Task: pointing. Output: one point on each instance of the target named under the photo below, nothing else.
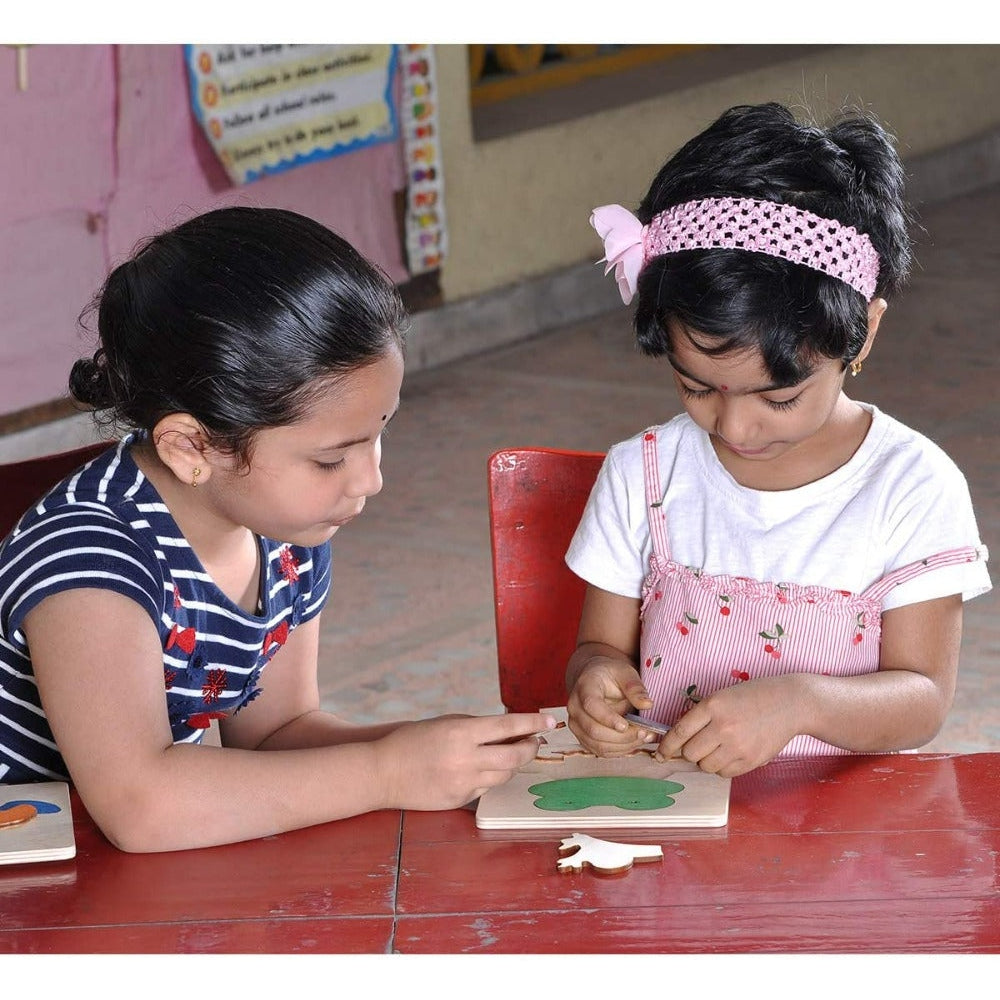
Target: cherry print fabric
(701, 633)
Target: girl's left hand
(736, 728)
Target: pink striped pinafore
(700, 633)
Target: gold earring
(195, 473)
(855, 368)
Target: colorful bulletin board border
(426, 232)
(268, 108)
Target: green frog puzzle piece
(572, 794)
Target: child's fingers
(676, 742)
(646, 729)
(516, 726)
(606, 741)
(637, 695)
(508, 755)
(526, 723)
(599, 713)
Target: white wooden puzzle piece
(606, 856)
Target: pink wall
(100, 151)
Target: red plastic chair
(24, 482)
(536, 497)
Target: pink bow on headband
(623, 236)
(749, 224)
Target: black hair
(848, 171)
(237, 316)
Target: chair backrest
(536, 497)
(24, 482)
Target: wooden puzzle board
(48, 835)
(578, 791)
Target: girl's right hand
(446, 762)
(605, 689)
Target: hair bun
(89, 383)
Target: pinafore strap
(950, 557)
(654, 496)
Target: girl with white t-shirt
(781, 569)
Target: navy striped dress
(105, 526)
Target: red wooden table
(328, 889)
(849, 854)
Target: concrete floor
(409, 629)
(409, 632)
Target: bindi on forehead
(724, 388)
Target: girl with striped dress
(174, 584)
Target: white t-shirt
(899, 499)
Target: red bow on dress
(183, 637)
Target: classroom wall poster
(268, 108)
(426, 232)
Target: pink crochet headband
(735, 224)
